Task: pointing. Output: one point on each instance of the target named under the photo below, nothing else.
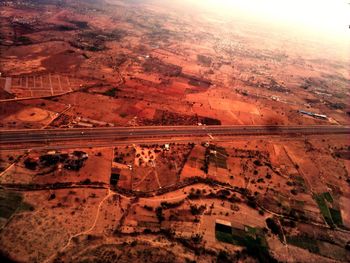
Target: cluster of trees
(167, 205)
(72, 161)
(197, 210)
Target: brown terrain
(76, 64)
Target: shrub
(149, 208)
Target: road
(13, 138)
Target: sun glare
(321, 16)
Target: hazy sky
(330, 17)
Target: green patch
(328, 197)
(336, 192)
(23, 40)
(300, 180)
(251, 230)
(256, 247)
(336, 216)
(111, 92)
(11, 202)
(331, 215)
(238, 236)
(322, 205)
(25, 207)
(219, 158)
(251, 238)
(221, 150)
(304, 242)
(224, 237)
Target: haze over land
(325, 22)
(174, 131)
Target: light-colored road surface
(30, 137)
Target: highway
(114, 134)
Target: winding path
(109, 194)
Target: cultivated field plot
(39, 85)
(120, 63)
(227, 195)
(147, 168)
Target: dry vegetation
(148, 199)
(114, 64)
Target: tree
(273, 226)
(52, 196)
(159, 214)
(30, 164)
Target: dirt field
(105, 63)
(142, 66)
(130, 197)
